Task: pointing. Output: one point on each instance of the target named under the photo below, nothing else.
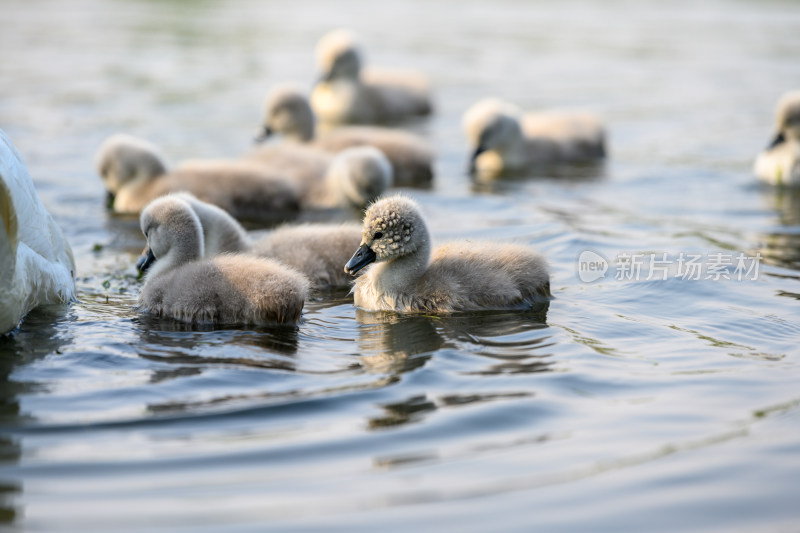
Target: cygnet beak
(779, 139)
(146, 260)
(363, 256)
(265, 134)
(109, 199)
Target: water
(625, 405)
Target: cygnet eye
(378, 235)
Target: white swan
(316, 250)
(779, 163)
(226, 289)
(36, 263)
(346, 94)
(288, 113)
(134, 173)
(462, 276)
(503, 138)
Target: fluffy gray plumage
(348, 93)
(351, 178)
(505, 139)
(461, 276)
(316, 250)
(135, 173)
(288, 113)
(226, 289)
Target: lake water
(632, 403)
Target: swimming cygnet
(227, 289)
(779, 164)
(134, 173)
(462, 276)
(352, 178)
(356, 177)
(346, 94)
(288, 113)
(221, 232)
(506, 139)
(316, 250)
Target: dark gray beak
(265, 134)
(478, 151)
(146, 260)
(363, 256)
(109, 199)
(779, 139)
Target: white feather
(36, 263)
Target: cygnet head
(787, 118)
(492, 124)
(338, 56)
(393, 228)
(287, 112)
(359, 175)
(124, 158)
(173, 232)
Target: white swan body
(36, 263)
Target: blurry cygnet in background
(779, 163)
(346, 93)
(504, 139)
(134, 173)
(288, 113)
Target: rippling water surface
(626, 404)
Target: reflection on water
(781, 246)
(159, 331)
(403, 412)
(393, 344)
(43, 335)
(634, 404)
(573, 175)
(415, 408)
(513, 343)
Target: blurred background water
(625, 405)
